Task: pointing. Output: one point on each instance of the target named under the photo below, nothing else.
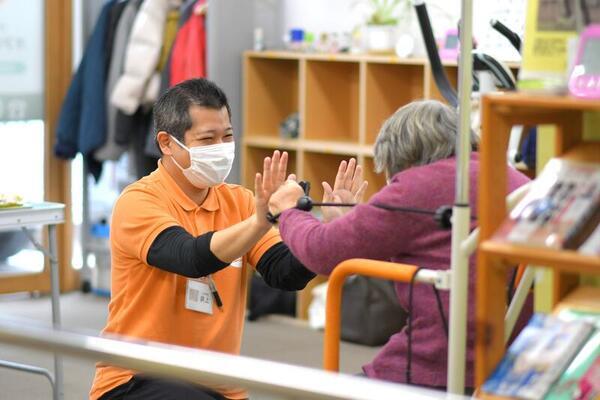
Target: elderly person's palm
(349, 187)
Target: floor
(274, 338)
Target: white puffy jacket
(140, 82)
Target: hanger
(201, 8)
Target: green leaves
(384, 12)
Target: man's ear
(164, 142)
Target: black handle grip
(305, 186)
(505, 31)
(439, 73)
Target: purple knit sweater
(374, 233)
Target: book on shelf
(538, 357)
(560, 211)
(581, 379)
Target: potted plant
(382, 21)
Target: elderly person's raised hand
(348, 187)
(267, 183)
(286, 197)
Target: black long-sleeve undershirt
(280, 269)
(177, 251)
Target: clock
(585, 78)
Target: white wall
(343, 15)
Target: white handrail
(209, 368)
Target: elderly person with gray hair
(415, 149)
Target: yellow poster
(549, 26)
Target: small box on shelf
(332, 101)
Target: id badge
(198, 297)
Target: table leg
(55, 286)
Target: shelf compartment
(583, 298)
(389, 87)
(332, 147)
(270, 142)
(376, 181)
(271, 94)
(561, 260)
(253, 159)
(584, 152)
(319, 167)
(434, 93)
(527, 102)
(331, 101)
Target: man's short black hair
(171, 112)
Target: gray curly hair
(419, 133)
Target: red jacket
(188, 59)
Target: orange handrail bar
(357, 266)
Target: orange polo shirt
(149, 303)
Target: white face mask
(209, 165)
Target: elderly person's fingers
(357, 179)
(327, 193)
(339, 178)
(360, 193)
(349, 174)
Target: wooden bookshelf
(499, 113)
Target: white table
(50, 215)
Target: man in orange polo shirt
(182, 240)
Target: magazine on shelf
(538, 357)
(560, 211)
(581, 379)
